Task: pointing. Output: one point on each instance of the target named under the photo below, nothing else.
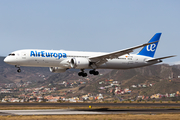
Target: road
(104, 110)
(86, 111)
(94, 104)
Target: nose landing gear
(18, 70)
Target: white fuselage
(61, 58)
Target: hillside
(8, 73)
(163, 77)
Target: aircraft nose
(8, 60)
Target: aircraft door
(23, 54)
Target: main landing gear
(18, 70)
(83, 74)
(94, 72)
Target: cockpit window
(12, 54)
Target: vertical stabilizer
(150, 50)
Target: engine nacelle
(79, 63)
(57, 69)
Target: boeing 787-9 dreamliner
(60, 60)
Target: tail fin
(150, 50)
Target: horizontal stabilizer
(156, 59)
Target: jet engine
(79, 63)
(57, 69)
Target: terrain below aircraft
(61, 60)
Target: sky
(94, 25)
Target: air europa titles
(47, 54)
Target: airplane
(60, 60)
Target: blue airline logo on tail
(150, 50)
(151, 47)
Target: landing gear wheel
(84, 75)
(96, 73)
(19, 70)
(93, 72)
(80, 73)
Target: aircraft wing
(103, 58)
(156, 59)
